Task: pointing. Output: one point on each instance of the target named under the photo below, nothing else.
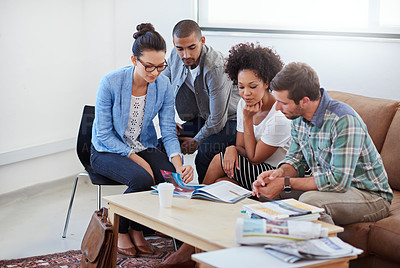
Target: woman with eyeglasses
(124, 137)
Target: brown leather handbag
(98, 241)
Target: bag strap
(103, 215)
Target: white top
(274, 130)
(192, 74)
(135, 124)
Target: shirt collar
(318, 117)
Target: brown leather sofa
(380, 240)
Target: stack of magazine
(286, 209)
(322, 248)
(286, 227)
(261, 231)
(222, 191)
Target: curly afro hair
(248, 56)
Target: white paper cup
(165, 193)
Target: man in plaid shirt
(348, 177)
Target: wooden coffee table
(203, 224)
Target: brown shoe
(145, 249)
(129, 252)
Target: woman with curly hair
(263, 134)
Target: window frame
(374, 30)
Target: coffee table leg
(114, 218)
(197, 250)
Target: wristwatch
(287, 188)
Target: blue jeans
(123, 170)
(213, 145)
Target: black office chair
(83, 151)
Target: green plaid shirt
(338, 149)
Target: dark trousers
(123, 170)
(211, 146)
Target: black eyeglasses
(151, 68)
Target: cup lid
(165, 186)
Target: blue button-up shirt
(113, 104)
(338, 149)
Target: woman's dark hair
(146, 37)
(248, 56)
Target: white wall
(53, 54)
(52, 57)
(364, 66)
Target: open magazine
(322, 248)
(260, 231)
(222, 191)
(286, 209)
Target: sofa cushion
(372, 261)
(376, 113)
(356, 234)
(391, 152)
(395, 206)
(384, 236)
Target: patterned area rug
(71, 259)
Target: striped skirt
(248, 172)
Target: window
(365, 17)
(389, 15)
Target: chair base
(71, 201)
(64, 235)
